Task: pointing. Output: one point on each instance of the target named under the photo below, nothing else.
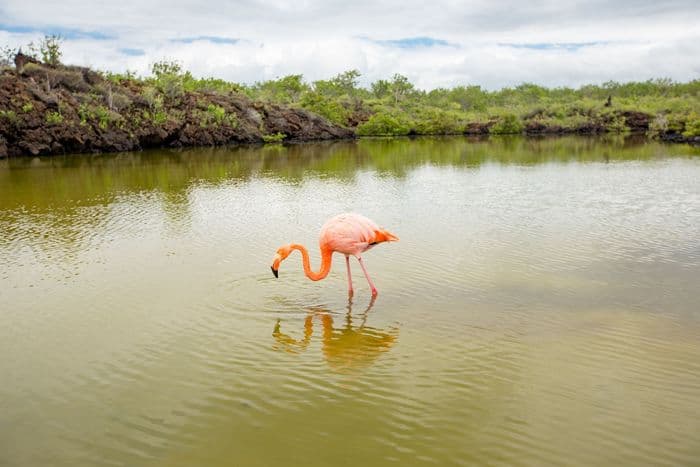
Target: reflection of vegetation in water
(47, 183)
(346, 346)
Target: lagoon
(541, 308)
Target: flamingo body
(350, 234)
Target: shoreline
(47, 110)
(633, 138)
(58, 109)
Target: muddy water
(541, 308)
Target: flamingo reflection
(347, 346)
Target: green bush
(617, 124)
(50, 49)
(152, 97)
(119, 78)
(333, 110)
(692, 126)
(191, 84)
(385, 124)
(169, 79)
(285, 90)
(84, 113)
(274, 138)
(54, 118)
(9, 115)
(218, 114)
(157, 117)
(507, 124)
(215, 115)
(438, 122)
(104, 116)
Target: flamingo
(349, 234)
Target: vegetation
(48, 50)
(395, 107)
(171, 97)
(54, 118)
(274, 138)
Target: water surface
(541, 308)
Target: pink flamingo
(349, 234)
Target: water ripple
(532, 314)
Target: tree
(342, 84)
(401, 87)
(50, 49)
(287, 89)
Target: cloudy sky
(438, 43)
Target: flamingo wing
(350, 234)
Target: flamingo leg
(347, 262)
(371, 285)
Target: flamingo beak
(276, 265)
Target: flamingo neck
(325, 262)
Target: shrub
(27, 107)
(274, 138)
(120, 101)
(658, 126)
(104, 116)
(328, 108)
(70, 79)
(7, 55)
(152, 97)
(169, 78)
(9, 115)
(157, 116)
(385, 123)
(119, 78)
(438, 122)
(54, 118)
(285, 90)
(210, 85)
(507, 124)
(692, 126)
(216, 115)
(50, 49)
(84, 113)
(617, 124)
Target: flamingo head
(281, 255)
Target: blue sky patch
(413, 42)
(65, 33)
(568, 46)
(133, 52)
(213, 39)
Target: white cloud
(628, 40)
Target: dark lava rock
(638, 122)
(478, 128)
(54, 110)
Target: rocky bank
(67, 109)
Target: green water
(541, 308)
